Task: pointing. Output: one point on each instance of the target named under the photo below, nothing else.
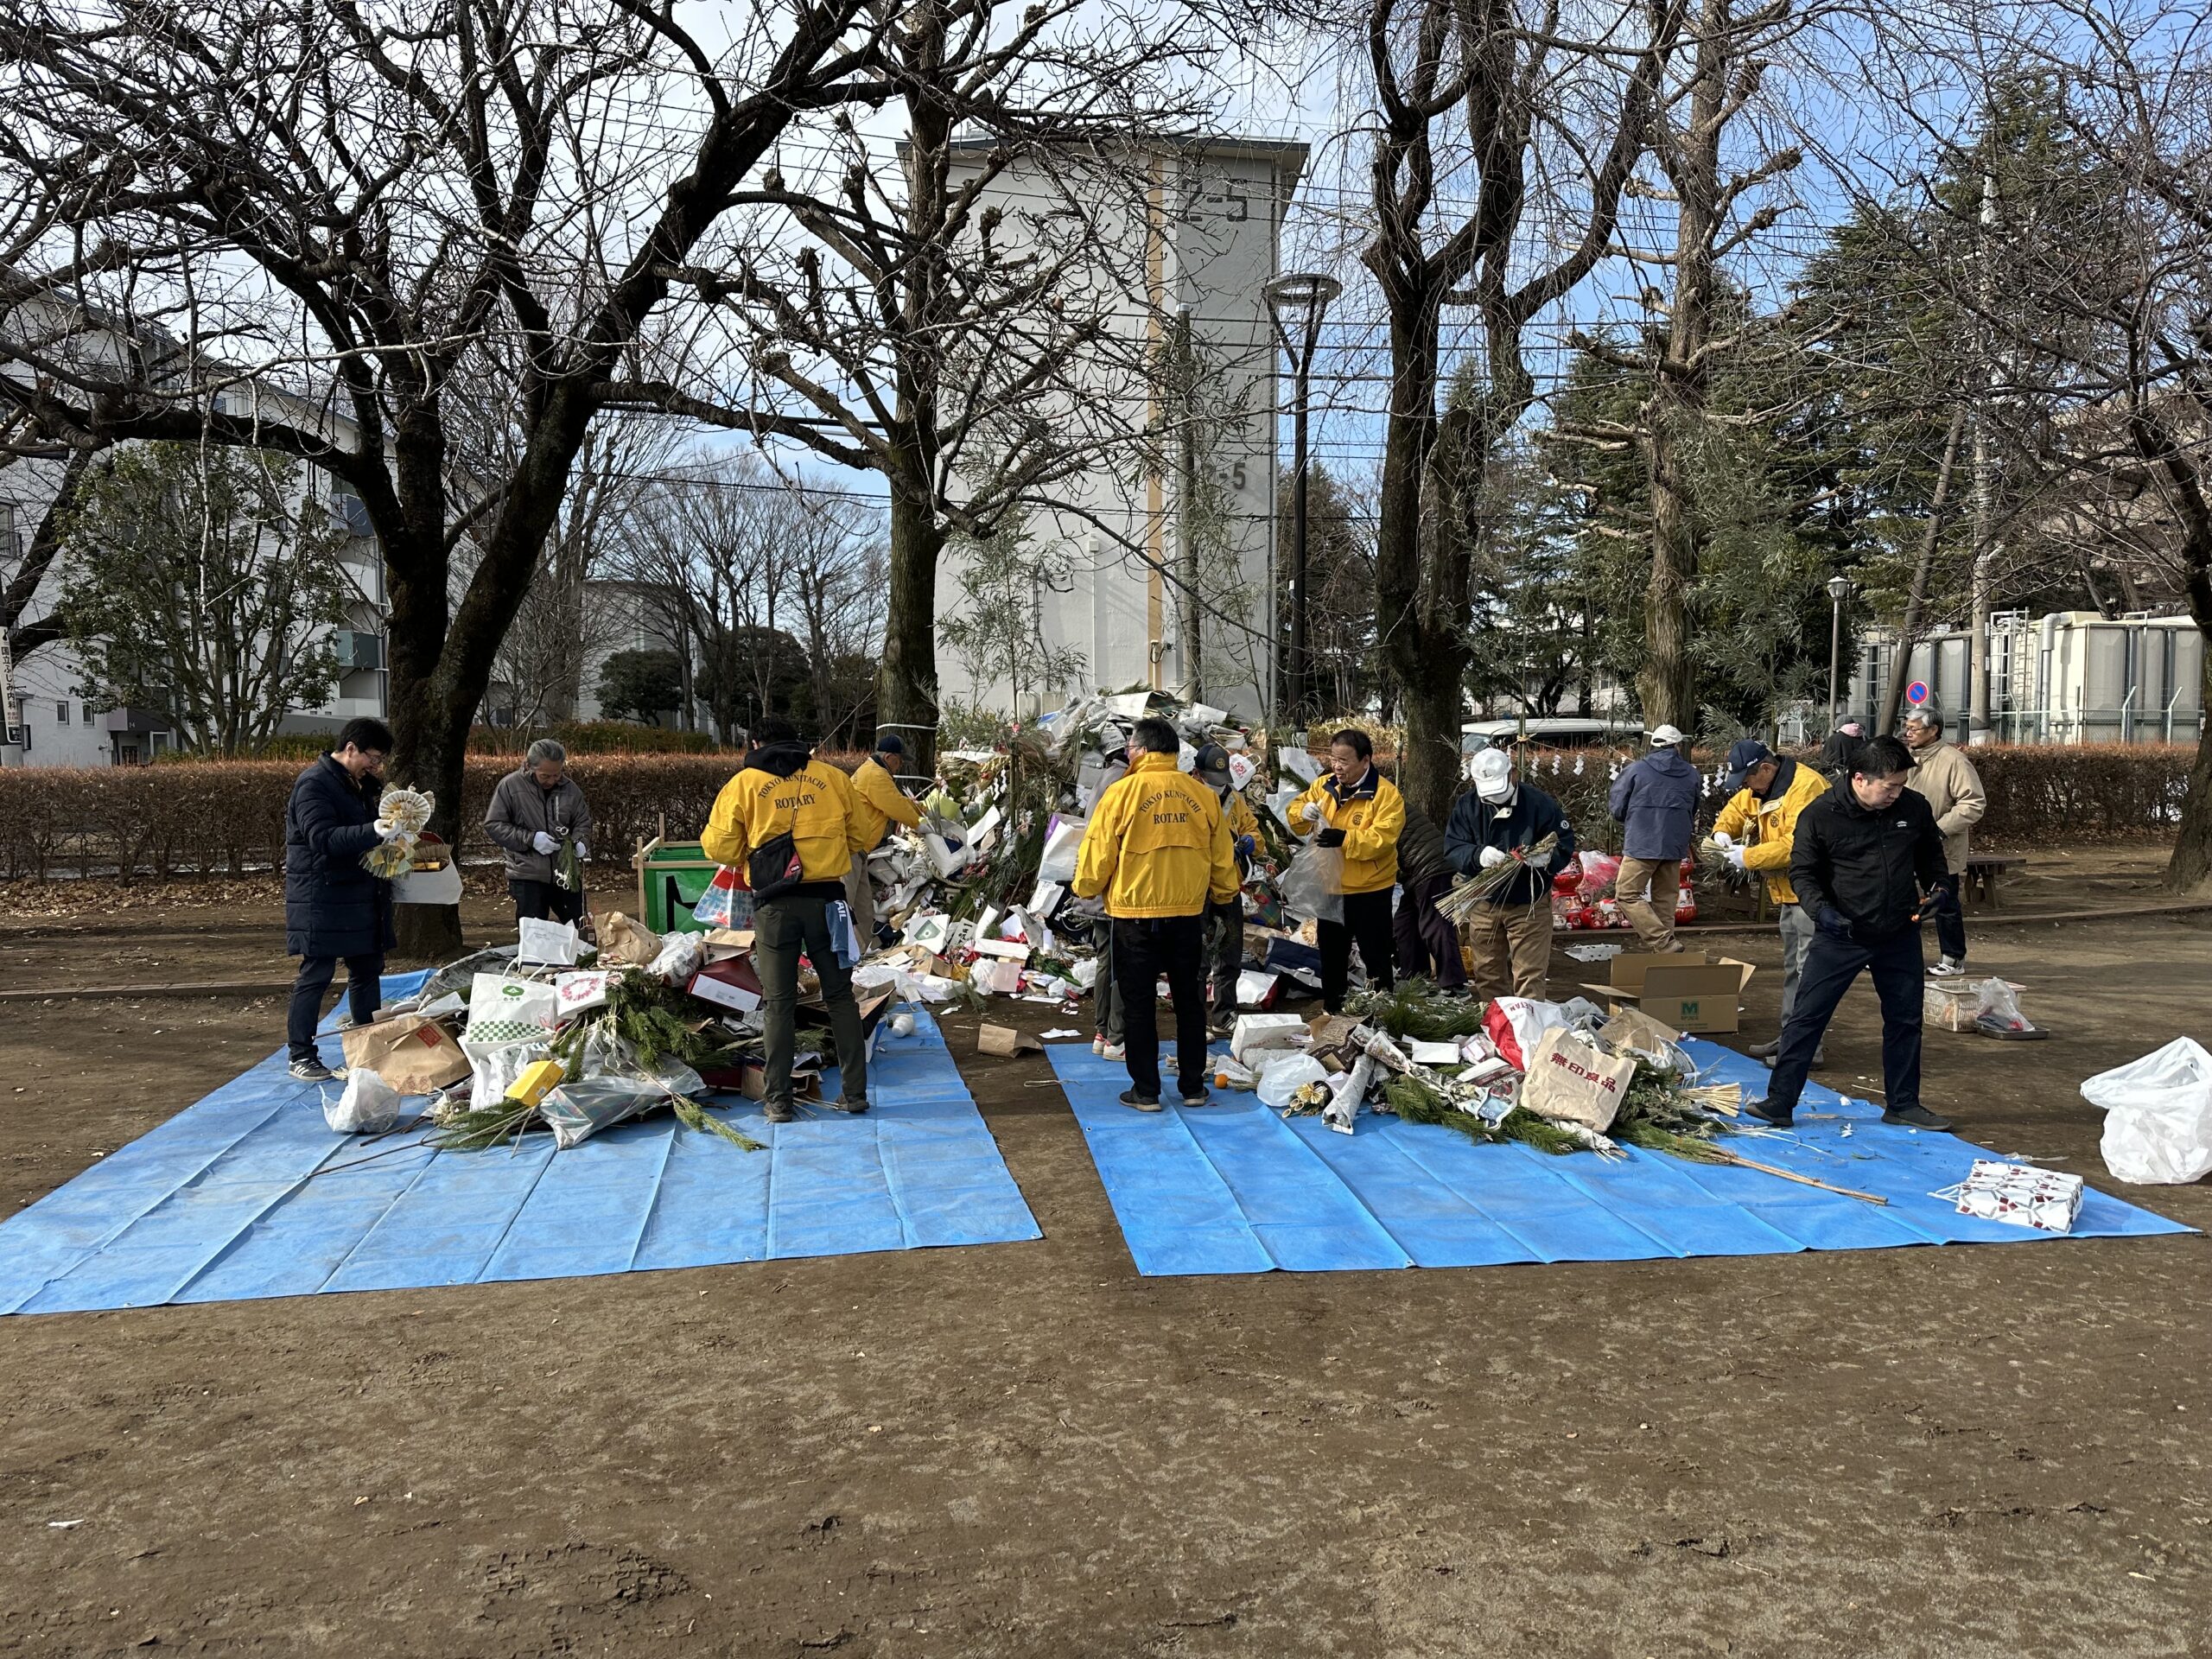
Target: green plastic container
(672, 877)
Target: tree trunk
(905, 685)
(1429, 689)
(2189, 867)
(1667, 683)
(1916, 607)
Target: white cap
(1666, 735)
(1492, 771)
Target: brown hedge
(229, 816)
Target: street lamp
(1296, 303)
(1841, 589)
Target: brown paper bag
(1006, 1041)
(414, 1055)
(1572, 1080)
(624, 942)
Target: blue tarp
(248, 1194)
(1232, 1187)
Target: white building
(1208, 234)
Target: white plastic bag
(1281, 1078)
(368, 1104)
(1314, 884)
(1062, 842)
(2158, 1114)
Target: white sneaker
(1114, 1052)
(1946, 967)
(1098, 1046)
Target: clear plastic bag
(1281, 1077)
(1313, 885)
(367, 1105)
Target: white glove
(583, 854)
(1735, 858)
(1492, 857)
(387, 831)
(1313, 811)
(545, 843)
(1723, 840)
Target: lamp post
(1841, 588)
(1296, 303)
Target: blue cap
(1743, 755)
(888, 743)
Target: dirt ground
(1026, 1449)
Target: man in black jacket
(334, 910)
(1499, 818)
(1865, 855)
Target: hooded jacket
(333, 907)
(1157, 845)
(1371, 813)
(782, 788)
(1423, 851)
(1523, 820)
(879, 802)
(1654, 801)
(1952, 788)
(1867, 865)
(1767, 824)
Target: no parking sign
(1916, 693)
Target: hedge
(579, 738)
(229, 816)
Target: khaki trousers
(1513, 949)
(1653, 918)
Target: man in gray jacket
(1946, 779)
(536, 814)
(1654, 801)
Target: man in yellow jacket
(878, 802)
(1756, 829)
(1159, 849)
(1354, 807)
(783, 789)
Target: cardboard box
(750, 1078)
(1690, 993)
(730, 984)
(1005, 1041)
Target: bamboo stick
(1792, 1175)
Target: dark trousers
(545, 901)
(781, 928)
(1951, 924)
(1144, 948)
(364, 990)
(1366, 923)
(1899, 972)
(1428, 946)
(1225, 953)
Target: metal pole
(1835, 656)
(1186, 488)
(1985, 560)
(1298, 619)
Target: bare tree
(343, 204)
(1538, 121)
(948, 304)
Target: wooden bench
(1983, 875)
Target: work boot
(853, 1104)
(1776, 1117)
(1140, 1102)
(777, 1111)
(1916, 1117)
(312, 1070)
(1765, 1050)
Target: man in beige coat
(1946, 781)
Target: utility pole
(1186, 375)
(1300, 299)
(1985, 553)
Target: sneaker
(1948, 968)
(1765, 1051)
(1203, 1097)
(777, 1111)
(1114, 1052)
(1916, 1117)
(1141, 1102)
(1098, 1046)
(854, 1107)
(1773, 1117)
(311, 1071)
(1767, 1060)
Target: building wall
(1210, 246)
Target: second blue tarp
(1232, 1187)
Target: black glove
(1940, 901)
(1329, 838)
(1832, 921)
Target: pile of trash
(559, 1035)
(977, 902)
(1560, 1077)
